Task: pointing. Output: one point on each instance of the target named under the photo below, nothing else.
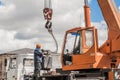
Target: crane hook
(47, 11)
(48, 26)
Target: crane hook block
(48, 25)
(47, 13)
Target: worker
(38, 60)
(67, 58)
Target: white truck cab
(14, 65)
(20, 65)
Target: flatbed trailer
(86, 74)
(69, 77)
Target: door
(12, 74)
(80, 46)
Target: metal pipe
(47, 4)
(86, 2)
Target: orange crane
(81, 57)
(85, 51)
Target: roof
(25, 51)
(21, 51)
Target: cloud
(119, 8)
(6, 11)
(8, 42)
(102, 31)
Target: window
(28, 62)
(89, 38)
(83, 41)
(70, 42)
(78, 43)
(13, 63)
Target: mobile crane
(81, 57)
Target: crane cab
(80, 46)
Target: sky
(95, 10)
(22, 22)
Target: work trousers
(38, 67)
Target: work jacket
(38, 55)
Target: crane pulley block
(47, 13)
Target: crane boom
(112, 18)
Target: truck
(15, 65)
(81, 58)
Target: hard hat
(38, 45)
